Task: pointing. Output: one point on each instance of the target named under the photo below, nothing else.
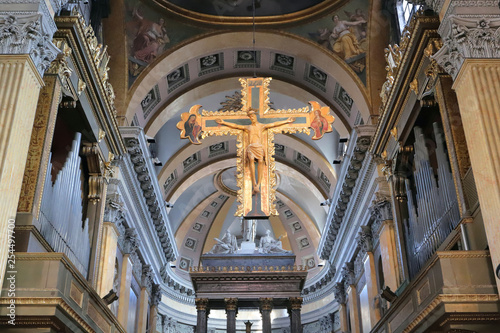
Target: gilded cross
(255, 126)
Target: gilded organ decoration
(255, 126)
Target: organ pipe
(434, 213)
(62, 211)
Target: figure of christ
(254, 151)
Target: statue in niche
(226, 245)
(270, 245)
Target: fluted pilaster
(20, 84)
(478, 93)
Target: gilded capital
(266, 304)
(201, 304)
(231, 304)
(295, 303)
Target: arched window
(405, 11)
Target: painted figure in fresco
(342, 40)
(228, 244)
(149, 38)
(255, 148)
(319, 125)
(270, 245)
(192, 129)
(360, 29)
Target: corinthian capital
(467, 36)
(339, 293)
(25, 34)
(130, 241)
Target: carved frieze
(355, 163)
(137, 158)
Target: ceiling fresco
(151, 33)
(245, 7)
(343, 32)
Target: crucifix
(255, 126)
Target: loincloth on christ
(255, 151)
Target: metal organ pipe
(435, 213)
(62, 211)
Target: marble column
(231, 311)
(470, 54)
(129, 245)
(106, 272)
(340, 297)
(143, 310)
(349, 279)
(365, 243)
(155, 301)
(125, 283)
(295, 304)
(146, 290)
(387, 243)
(202, 310)
(383, 226)
(353, 309)
(266, 306)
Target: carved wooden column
(399, 207)
(202, 315)
(129, 245)
(471, 55)
(42, 133)
(350, 287)
(266, 306)
(340, 297)
(231, 311)
(295, 304)
(98, 185)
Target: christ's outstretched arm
(231, 125)
(279, 123)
